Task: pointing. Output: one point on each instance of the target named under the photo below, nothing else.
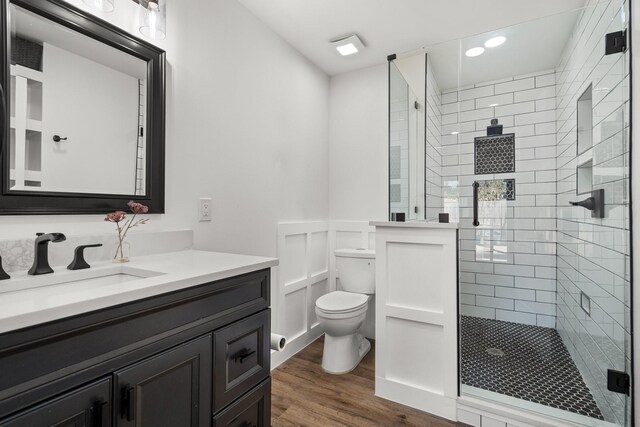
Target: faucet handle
(79, 262)
(3, 274)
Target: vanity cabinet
(194, 357)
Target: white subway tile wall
(434, 159)
(593, 254)
(398, 142)
(499, 259)
(142, 137)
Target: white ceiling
(390, 26)
(531, 46)
(33, 27)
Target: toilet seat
(340, 302)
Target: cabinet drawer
(88, 406)
(241, 357)
(253, 410)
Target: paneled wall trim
(307, 271)
(301, 278)
(416, 317)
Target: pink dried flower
(138, 208)
(116, 216)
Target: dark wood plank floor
(304, 395)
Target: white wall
(358, 145)
(247, 124)
(96, 108)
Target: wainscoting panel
(300, 279)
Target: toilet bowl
(342, 313)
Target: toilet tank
(357, 270)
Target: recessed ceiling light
(347, 49)
(474, 51)
(348, 45)
(495, 41)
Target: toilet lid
(341, 301)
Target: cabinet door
(171, 389)
(89, 406)
(252, 410)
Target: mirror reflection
(77, 110)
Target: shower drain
(495, 352)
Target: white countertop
(31, 300)
(414, 224)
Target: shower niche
(584, 113)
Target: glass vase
(121, 254)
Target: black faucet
(41, 253)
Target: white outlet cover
(205, 209)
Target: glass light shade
(153, 20)
(101, 5)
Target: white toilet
(342, 313)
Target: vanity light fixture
(348, 45)
(474, 51)
(101, 5)
(495, 41)
(153, 18)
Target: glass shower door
(544, 284)
(406, 148)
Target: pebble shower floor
(525, 362)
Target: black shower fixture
(494, 128)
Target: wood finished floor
(304, 395)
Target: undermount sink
(93, 277)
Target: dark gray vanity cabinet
(194, 357)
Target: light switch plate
(205, 209)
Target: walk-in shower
(511, 138)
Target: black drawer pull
(242, 355)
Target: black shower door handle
(475, 204)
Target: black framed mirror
(83, 113)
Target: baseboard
(295, 346)
(424, 400)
